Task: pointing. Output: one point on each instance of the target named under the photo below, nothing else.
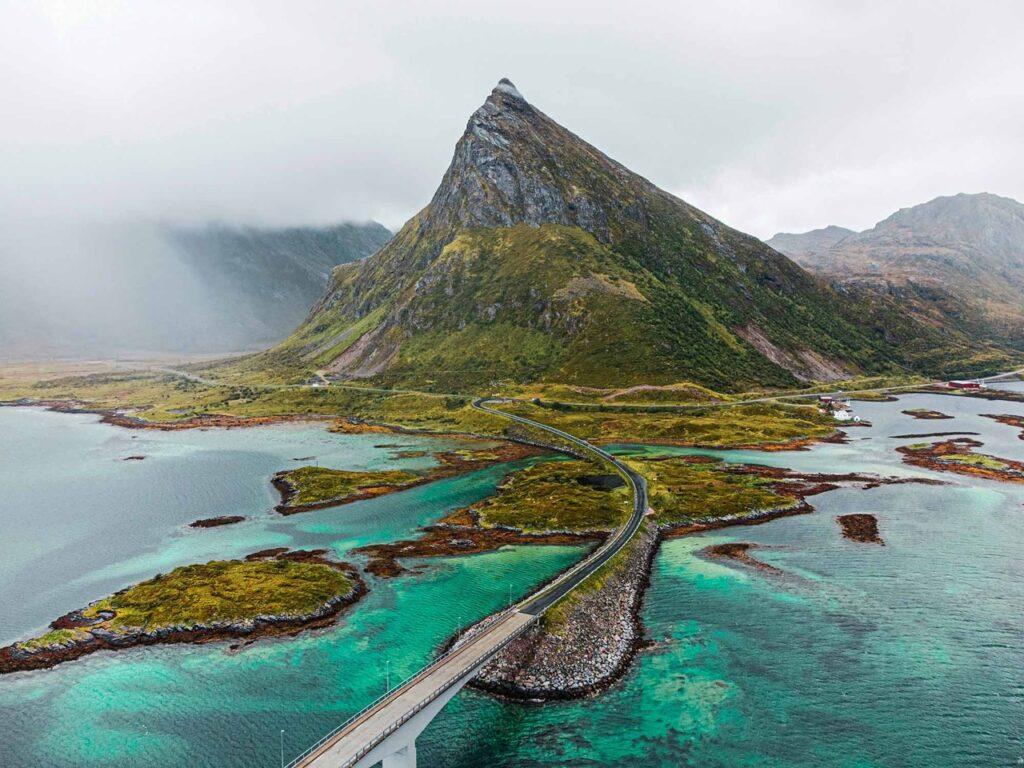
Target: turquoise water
(905, 655)
(911, 654)
(79, 521)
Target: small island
(739, 551)
(860, 527)
(308, 488)
(926, 414)
(195, 604)
(1009, 419)
(214, 522)
(958, 455)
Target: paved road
(541, 601)
(323, 381)
(371, 726)
(354, 739)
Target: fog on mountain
(131, 289)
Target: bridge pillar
(401, 758)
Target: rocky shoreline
(87, 636)
(446, 540)
(981, 394)
(738, 551)
(603, 631)
(926, 414)
(1009, 419)
(450, 463)
(958, 456)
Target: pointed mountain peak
(508, 88)
(504, 98)
(515, 165)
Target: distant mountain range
(143, 289)
(808, 244)
(954, 262)
(540, 258)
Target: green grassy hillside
(540, 259)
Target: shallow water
(910, 654)
(860, 655)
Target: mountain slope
(956, 260)
(267, 279)
(808, 244)
(539, 258)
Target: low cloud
(771, 116)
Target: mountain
(540, 258)
(267, 279)
(956, 261)
(807, 244)
(128, 289)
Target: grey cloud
(771, 116)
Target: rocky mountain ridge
(540, 258)
(954, 261)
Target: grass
(223, 591)
(681, 393)
(319, 484)
(52, 638)
(162, 398)
(681, 491)
(975, 460)
(753, 424)
(549, 497)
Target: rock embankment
(592, 645)
(587, 651)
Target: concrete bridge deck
(386, 730)
(348, 746)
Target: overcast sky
(770, 116)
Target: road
(323, 382)
(544, 599)
(354, 739)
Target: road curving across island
(539, 602)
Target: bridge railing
(476, 630)
(405, 684)
(610, 541)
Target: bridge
(386, 730)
